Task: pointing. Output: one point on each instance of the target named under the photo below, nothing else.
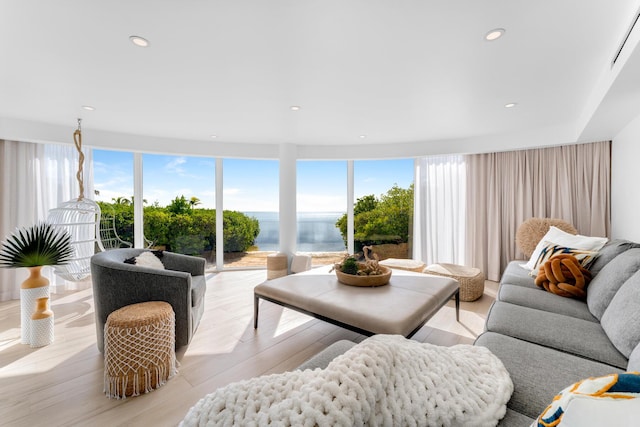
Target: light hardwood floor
(61, 384)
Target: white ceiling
(405, 73)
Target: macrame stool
(139, 349)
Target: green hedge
(380, 220)
(185, 230)
(182, 228)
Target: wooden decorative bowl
(353, 280)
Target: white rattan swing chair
(81, 219)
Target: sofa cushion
(634, 360)
(322, 359)
(604, 286)
(198, 288)
(576, 336)
(538, 373)
(621, 320)
(609, 251)
(515, 419)
(516, 274)
(545, 301)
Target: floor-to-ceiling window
(113, 187)
(179, 204)
(383, 209)
(251, 223)
(321, 201)
(179, 197)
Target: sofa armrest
(189, 264)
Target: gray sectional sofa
(548, 342)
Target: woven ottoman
(139, 349)
(471, 279)
(403, 264)
(277, 265)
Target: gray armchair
(116, 284)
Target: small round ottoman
(139, 349)
(277, 265)
(403, 264)
(471, 279)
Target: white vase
(34, 287)
(41, 324)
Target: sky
(249, 185)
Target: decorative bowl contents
(369, 273)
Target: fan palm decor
(34, 247)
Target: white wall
(625, 176)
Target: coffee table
(401, 307)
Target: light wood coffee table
(402, 307)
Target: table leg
(255, 311)
(458, 306)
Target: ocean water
(317, 231)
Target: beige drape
(504, 189)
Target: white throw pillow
(585, 412)
(147, 259)
(559, 237)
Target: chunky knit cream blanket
(386, 380)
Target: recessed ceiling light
(510, 105)
(214, 136)
(88, 108)
(363, 136)
(295, 107)
(139, 41)
(494, 34)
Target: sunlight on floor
(289, 322)
(9, 337)
(62, 383)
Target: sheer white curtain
(571, 182)
(439, 209)
(35, 178)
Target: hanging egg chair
(78, 217)
(81, 219)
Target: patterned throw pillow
(558, 237)
(584, 257)
(597, 391)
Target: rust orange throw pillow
(563, 275)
